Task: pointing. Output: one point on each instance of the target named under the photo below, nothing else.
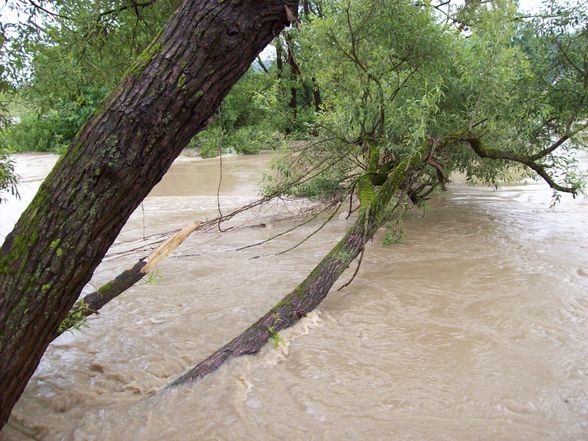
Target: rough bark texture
(294, 74)
(97, 299)
(311, 292)
(121, 153)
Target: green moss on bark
(105, 288)
(140, 63)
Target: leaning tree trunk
(311, 292)
(122, 152)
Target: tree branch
(48, 12)
(265, 69)
(558, 143)
(132, 5)
(529, 161)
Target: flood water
(475, 327)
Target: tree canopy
(399, 72)
(395, 75)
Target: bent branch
(530, 161)
(94, 301)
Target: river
(474, 327)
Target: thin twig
(283, 233)
(314, 232)
(220, 181)
(346, 284)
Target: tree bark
(311, 292)
(316, 93)
(294, 75)
(121, 153)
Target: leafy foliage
(65, 57)
(8, 179)
(76, 319)
(368, 82)
(53, 129)
(499, 94)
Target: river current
(473, 327)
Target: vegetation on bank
(8, 179)
(59, 67)
(246, 123)
(336, 81)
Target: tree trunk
(311, 292)
(121, 153)
(279, 59)
(294, 75)
(316, 93)
(306, 9)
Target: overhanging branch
(530, 161)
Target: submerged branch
(92, 302)
(310, 293)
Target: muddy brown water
(475, 327)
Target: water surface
(473, 328)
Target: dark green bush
(52, 130)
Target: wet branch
(92, 302)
